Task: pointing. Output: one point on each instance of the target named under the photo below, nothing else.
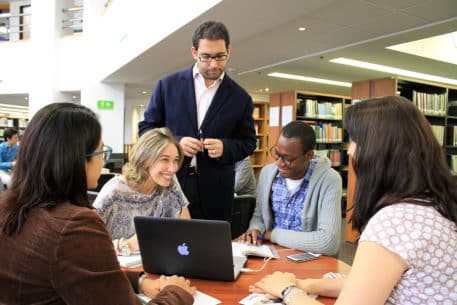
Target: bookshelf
(324, 113)
(259, 156)
(436, 101)
(19, 123)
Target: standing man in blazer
(211, 116)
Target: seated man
(8, 151)
(245, 183)
(298, 197)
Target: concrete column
(93, 88)
(45, 34)
(112, 120)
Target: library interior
(298, 60)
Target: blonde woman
(147, 186)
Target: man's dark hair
(301, 131)
(9, 133)
(211, 30)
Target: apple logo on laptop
(183, 249)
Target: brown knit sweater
(64, 255)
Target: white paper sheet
(274, 117)
(130, 261)
(286, 115)
(260, 299)
(200, 298)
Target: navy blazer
(229, 118)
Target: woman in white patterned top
(147, 187)
(405, 206)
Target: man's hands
(254, 237)
(191, 146)
(215, 147)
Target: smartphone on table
(303, 257)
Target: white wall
(16, 67)
(72, 63)
(112, 120)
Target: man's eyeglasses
(287, 161)
(208, 58)
(107, 153)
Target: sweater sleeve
(172, 295)
(325, 238)
(262, 201)
(85, 269)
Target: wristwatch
(124, 247)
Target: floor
(347, 250)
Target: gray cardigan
(321, 218)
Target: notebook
(188, 247)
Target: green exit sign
(104, 104)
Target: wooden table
(232, 292)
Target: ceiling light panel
(393, 70)
(310, 79)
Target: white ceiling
(265, 39)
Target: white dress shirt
(203, 96)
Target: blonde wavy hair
(146, 152)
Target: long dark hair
(50, 167)
(397, 159)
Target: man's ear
(229, 51)
(310, 154)
(194, 53)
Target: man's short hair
(211, 30)
(301, 131)
(9, 133)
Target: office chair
(243, 208)
(92, 195)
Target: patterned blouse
(118, 203)
(427, 242)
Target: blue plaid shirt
(287, 207)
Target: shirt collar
(308, 173)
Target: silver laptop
(188, 247)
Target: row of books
(22, 123)
(430, 103)
(256, 112)
(438, 131)
(452, 108)
(319, 109)
(451, 135)
(327, 133)
(453, 163)
(333, 154)
(5, 122)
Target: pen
(200, 135)
(260, 237)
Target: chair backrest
(243, 208)
(92, 195)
